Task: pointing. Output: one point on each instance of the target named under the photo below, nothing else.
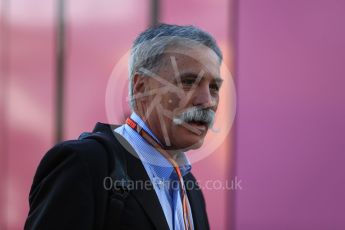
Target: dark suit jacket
(68, 191)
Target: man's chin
(193, 145)
(187, 139)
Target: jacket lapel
(142, 188)
(145, 193)
(196, 202)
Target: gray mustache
(196, 114)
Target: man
(100, 180)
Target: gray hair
(149, 47)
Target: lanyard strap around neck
(137, 128)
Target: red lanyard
(136, 127)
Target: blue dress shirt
(160, 172)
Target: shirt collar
(158, 162)
(135, 117)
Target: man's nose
(203, 97)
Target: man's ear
(139, 88)
(138, 84)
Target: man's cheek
(173, 102)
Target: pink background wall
(290, 137)
(27, 49)
(98, 34)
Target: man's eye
(214, 87)
(188, 82)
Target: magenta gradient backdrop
(290, 137)
(288, 61)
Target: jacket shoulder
(69, 176)
(89, 152)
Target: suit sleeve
(61, 196)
